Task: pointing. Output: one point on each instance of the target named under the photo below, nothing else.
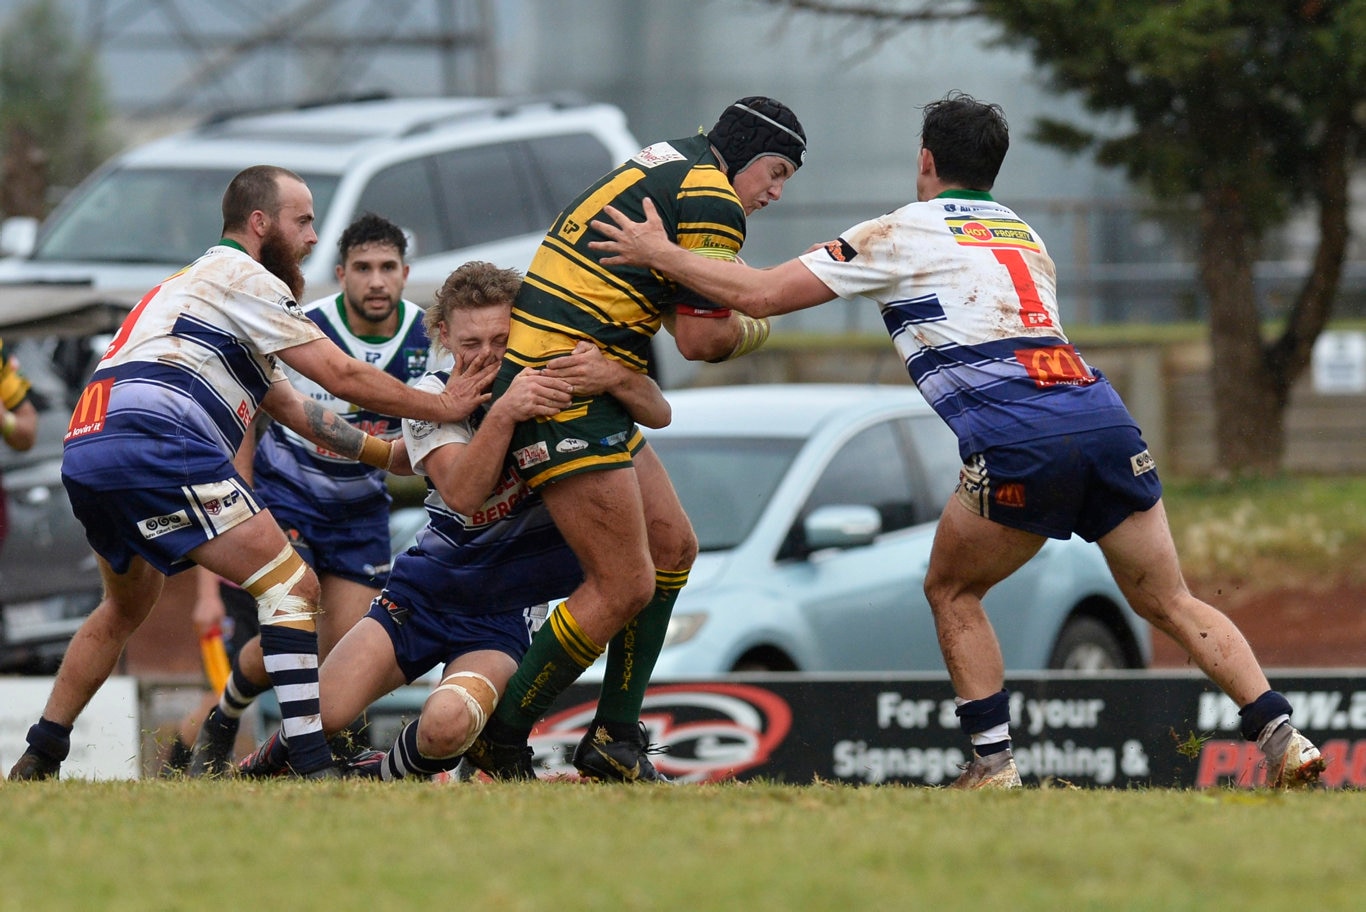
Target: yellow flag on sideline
(216, 666)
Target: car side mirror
(841, 526)
(18, 235)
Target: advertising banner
(106, 742)
(1145, 729)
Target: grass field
(157, 845)
(1283, 529)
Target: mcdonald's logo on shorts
(88, 417)
(1055, 365)
(1010, 494)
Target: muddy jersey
(968, 293)
(290, 471)
(568, 296)
(506, 555)
(170, 400)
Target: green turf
(156, 845)
(1283, 528)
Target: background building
(672, 66)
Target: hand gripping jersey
(968, 293)
(505, 556)
(568, 297)
(171, 399)
(294, 473)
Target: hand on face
(468, 386)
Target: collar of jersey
(958, 193)
(224, 242)
(373, 340)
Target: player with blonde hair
(462, 597)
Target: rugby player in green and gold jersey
(605, 487)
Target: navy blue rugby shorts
(357, 550)
(425, 638)
(1086, 483)
(160, 524)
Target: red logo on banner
(1240, 763)
(713, 731)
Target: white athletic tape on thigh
(479, 713)
(276, 605)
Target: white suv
(467, 178)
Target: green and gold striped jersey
(14, 386)
(568, 296)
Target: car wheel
(1087, 644)
(764, 658)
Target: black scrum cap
(756, 126)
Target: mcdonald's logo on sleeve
(88, 417)
(1055, 365)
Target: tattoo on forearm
(332, 431)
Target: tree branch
(885, 13)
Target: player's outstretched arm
(590, 373)
(768, 292)
(324, 427)
(369, 387)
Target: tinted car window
(568, 164)
(150, 215)
(724, 482)
(936, 448)
(870, 470)
(405, 193)
(487, 193)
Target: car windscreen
(725, 482)
(149, 215)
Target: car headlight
(683, 627)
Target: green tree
(52, 110)
(1250, 109)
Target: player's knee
(286, 591)
(1164, 614)
(455, 714)
(619, 596)
(934, 588)
(444, 731)
(678, 552)
(636, 591)
(119, 618)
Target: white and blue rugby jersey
(506, 555)
(292, 473)
(170, 400)
(969, 295)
